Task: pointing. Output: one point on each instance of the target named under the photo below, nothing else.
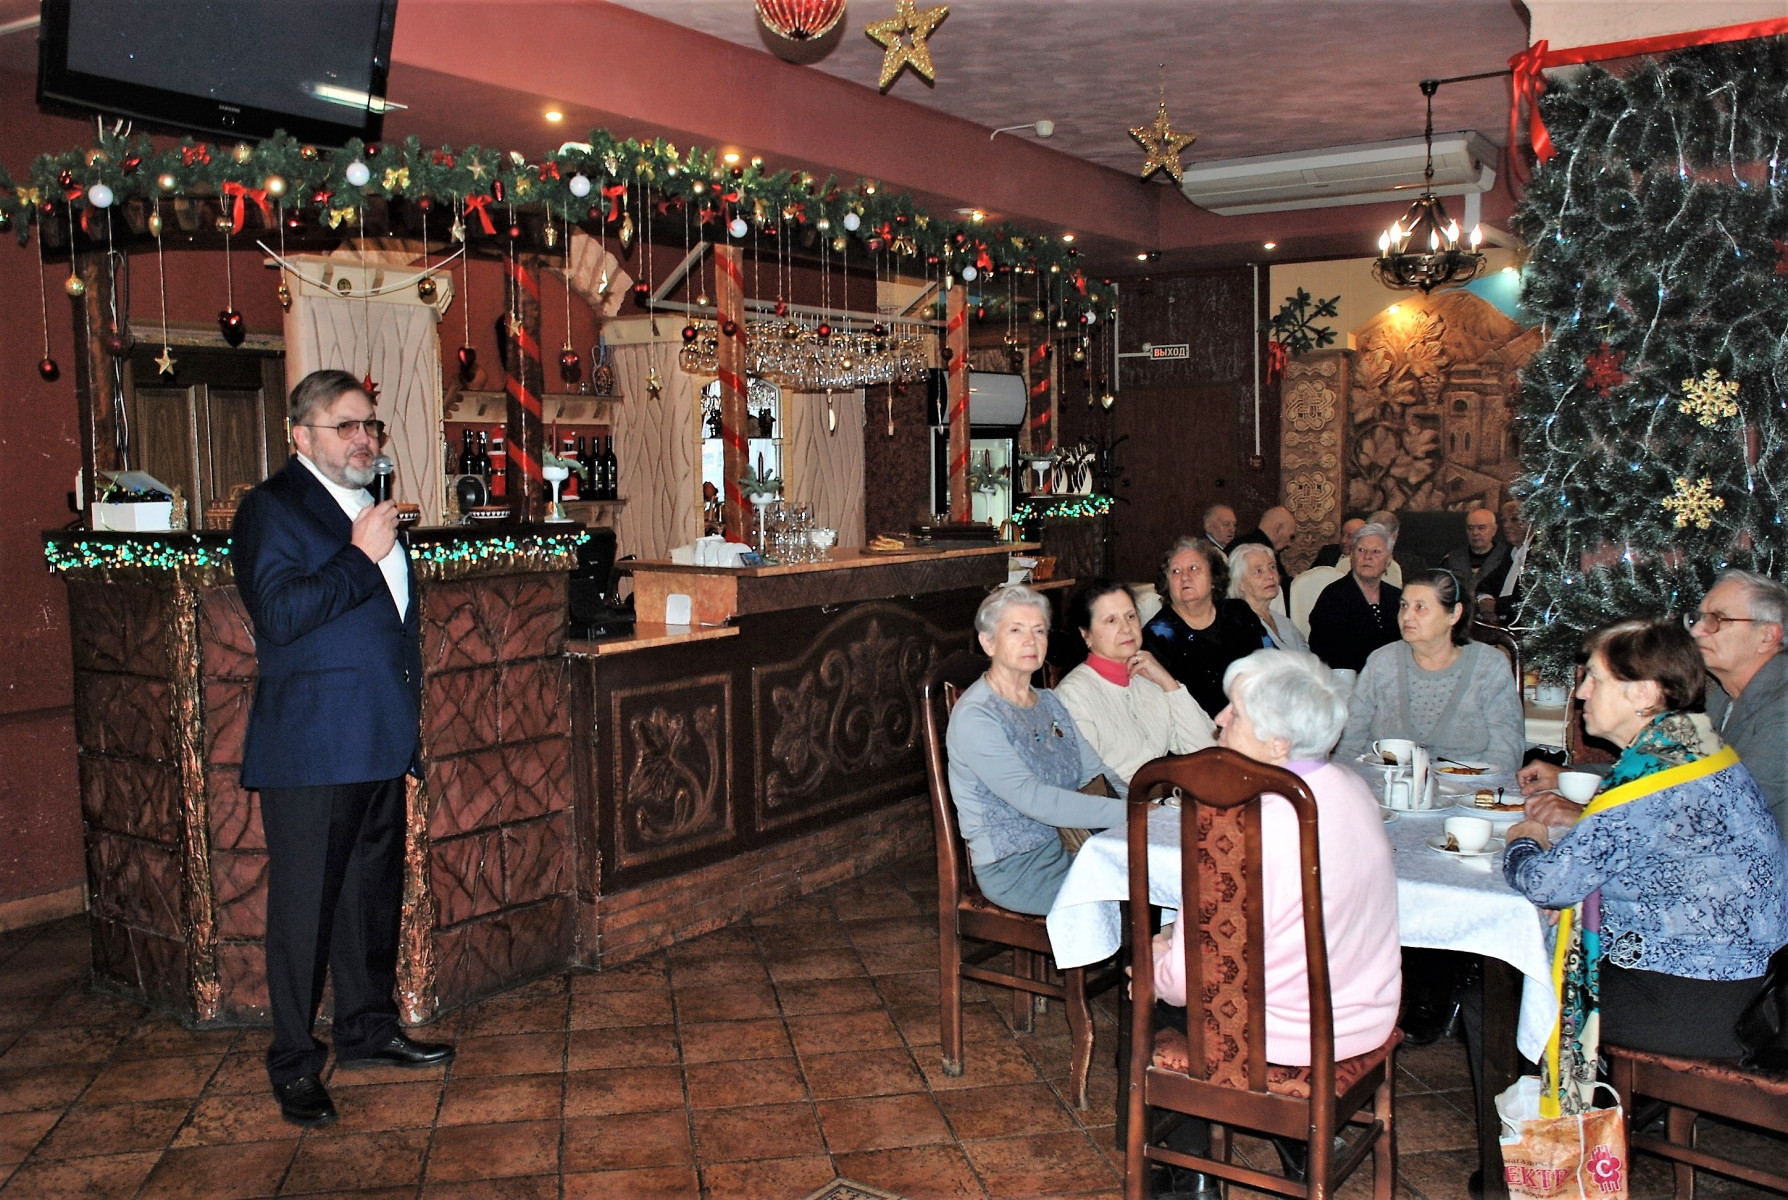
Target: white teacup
(1399, 789)
(1579, 787)
(1401, 749)
(1471, 833)
(1551, 695)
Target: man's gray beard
(352, 476)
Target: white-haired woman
(1016, 760)
(1286, 709)
(1253, 585)
(1357, 613)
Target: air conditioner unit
(1364, 174)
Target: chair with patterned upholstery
(1690, 1087)
(1496, 635)
(1218, 1070)
(963, 912)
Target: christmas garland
(605, 179)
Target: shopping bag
(1581, 1156)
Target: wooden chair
(963, 912)
(1580, 747)
(1218, 1070)
(1691, 1086)
(1496, 635)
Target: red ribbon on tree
(238, 193)
(1527, 82)
(481, 206)
(615, 193)
(192, 154)
(1278, 354)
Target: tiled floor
(759, 1062)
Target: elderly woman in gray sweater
(1436, 686)
(1016, 760)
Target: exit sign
(1162, 353)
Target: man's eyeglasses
(375, 428)
(1710, 620)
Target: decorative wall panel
(1312, 430)
(657, 441)
(839, 724)
(822, 463)
(673, 764)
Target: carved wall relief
(1429, 404)
(841, 723)
(1311, 432)
(673, 762)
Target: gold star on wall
(907, 22)
(165, 364)
(1163, 145)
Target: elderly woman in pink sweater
(1286, 709)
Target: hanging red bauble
(497, 191)
(689, 333)
(425, 203)
(729, 327)
(824, 331)
(116, 342)
(66, 178)
(642, 295)
(230, 322)
(129, 166)
(782, 308)
(800, 20)
(570, 365)
(949, 353)
(515, 231)
(47, 368)
(468, 363)
(879, 329)
(372, 152)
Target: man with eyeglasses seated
(1738, 629)
(332, 731)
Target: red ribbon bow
(191, 154)
(443, 159)
(549, 170)
(983, 262)
(1278, 354)
(237, 193)
(1526, 84)
(615, 193)
(481, 206)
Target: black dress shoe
(400, 1051)
(304, 1101)
(1178, 1183)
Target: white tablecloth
(1443, 903)
(1545, 725)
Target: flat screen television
(228, 68)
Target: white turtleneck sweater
(1131, 725)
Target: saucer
(1438, 844)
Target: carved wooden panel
(673, 763)
(475, 622)
(117, 627)
(840, 723)
(1312, 429)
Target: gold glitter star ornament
(165, 364)
(893, 34)
(1163, 145)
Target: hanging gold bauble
(274, 186)
(74, 286)
(155, 222)
(426, 289)
(627, 231)
(285, 297)
(166, 181)
(243, 152)
(550, 235)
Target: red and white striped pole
(956, 352)
(524, 431)
(729, 304)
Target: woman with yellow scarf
(1673, 887)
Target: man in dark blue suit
(333, 730)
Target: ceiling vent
(1364, 174)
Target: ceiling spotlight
(1067, 237)
(1270, 245)
(554, 115)
(730, 158)
(869, 189)
(1395, 308)
(1142, 256)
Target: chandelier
(806, 355)
(800, 20)
(1422, 249)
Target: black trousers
(334, 901)
(1668, 1014)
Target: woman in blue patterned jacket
(1674, 883)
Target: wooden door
(217, 422)
(1179, 459)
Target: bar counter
(582, 803)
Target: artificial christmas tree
(1656, 239)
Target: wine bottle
(569, 490)
(468, 462)
(611, 470)
(496, 466)
(589, 487)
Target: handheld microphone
(383, 472)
